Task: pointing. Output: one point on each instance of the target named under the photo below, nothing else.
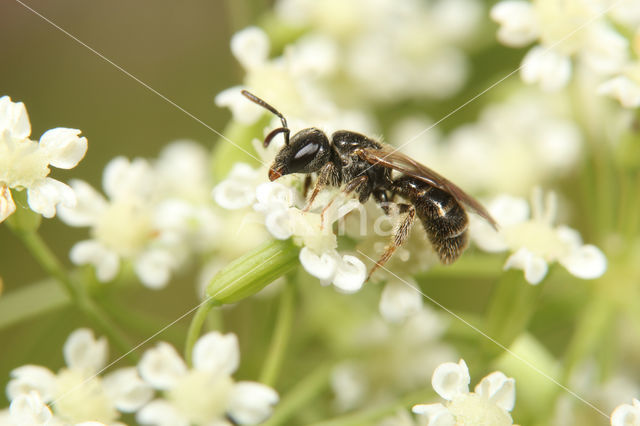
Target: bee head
(307, 152)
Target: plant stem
(48, 261)
(196, 327)
(280, 338)
(305, 390)
(369, 416)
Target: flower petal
(7, 206)
(161, 366)
(437, 414)
(399, 301)
(82, 351)
(534, 267)
(350, 274)
(46, 193)
(153, 267)
(499, 388)
(587, 262)
(32, 378)
(451, 379)
(518, 24)
(242, 109)
(217, 353)
(251, 402)
(160, 412)
(124, 177)
(90, 205)
(29, 410)
(626, 415)
(238, 190)
(14, 118)
(106, 262)
(64, 147)
(278, 224)
(322, 267)
(547, 67)
(250, 46)
(127, 390)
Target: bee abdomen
(449, 249)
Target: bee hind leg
(400, 235)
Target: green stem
(196, 327)
(595, 321)
(280, 338)
(370, 416)
(52, 266)
(513, 303)
(305, 390)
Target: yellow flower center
(78, 401)
(476, 410)
(125, 227)
(201, 396)
(22, 163)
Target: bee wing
(397, 161)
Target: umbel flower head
(490, 403)
(77, 393)
(205, 394)
(24, 164)
(529, 233)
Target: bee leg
(348, 189)
(400, 234)
(383, 200)
(326, 176)
(306, 185)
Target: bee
(364, 166)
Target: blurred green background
(179, 49)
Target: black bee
(364, 166)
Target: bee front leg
(326, 176)
(400, 235)
(348, 189)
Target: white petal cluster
(77, 393)
(205, 394)
(626, 414)
(490, 403)
(515, 144)
(154, 215)
(529, 233)
(283, 218)
(569, 33)
(24, 163)
(625, 85)
(388, 50)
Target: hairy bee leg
(400, 234)
(306, 185)
(348, 189)
(326, 176)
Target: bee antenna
(285, 129)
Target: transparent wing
(397, 161)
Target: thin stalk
(196, 327)
(281, 334)
(305, 390)
(50, 263)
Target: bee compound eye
(304, 156)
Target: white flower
(565, 30)
(626, 414)
(399, 301)
(535, 241)
(625, 87)
(77, 393)
(490, 403)
(123, 227)
(205, 394)
(24, 164)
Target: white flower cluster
(155, 215)
(413, 46)
(204, 395)
(281, 207)
(575, 34)
(490, 403)
(24, 163)
(528, 232)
